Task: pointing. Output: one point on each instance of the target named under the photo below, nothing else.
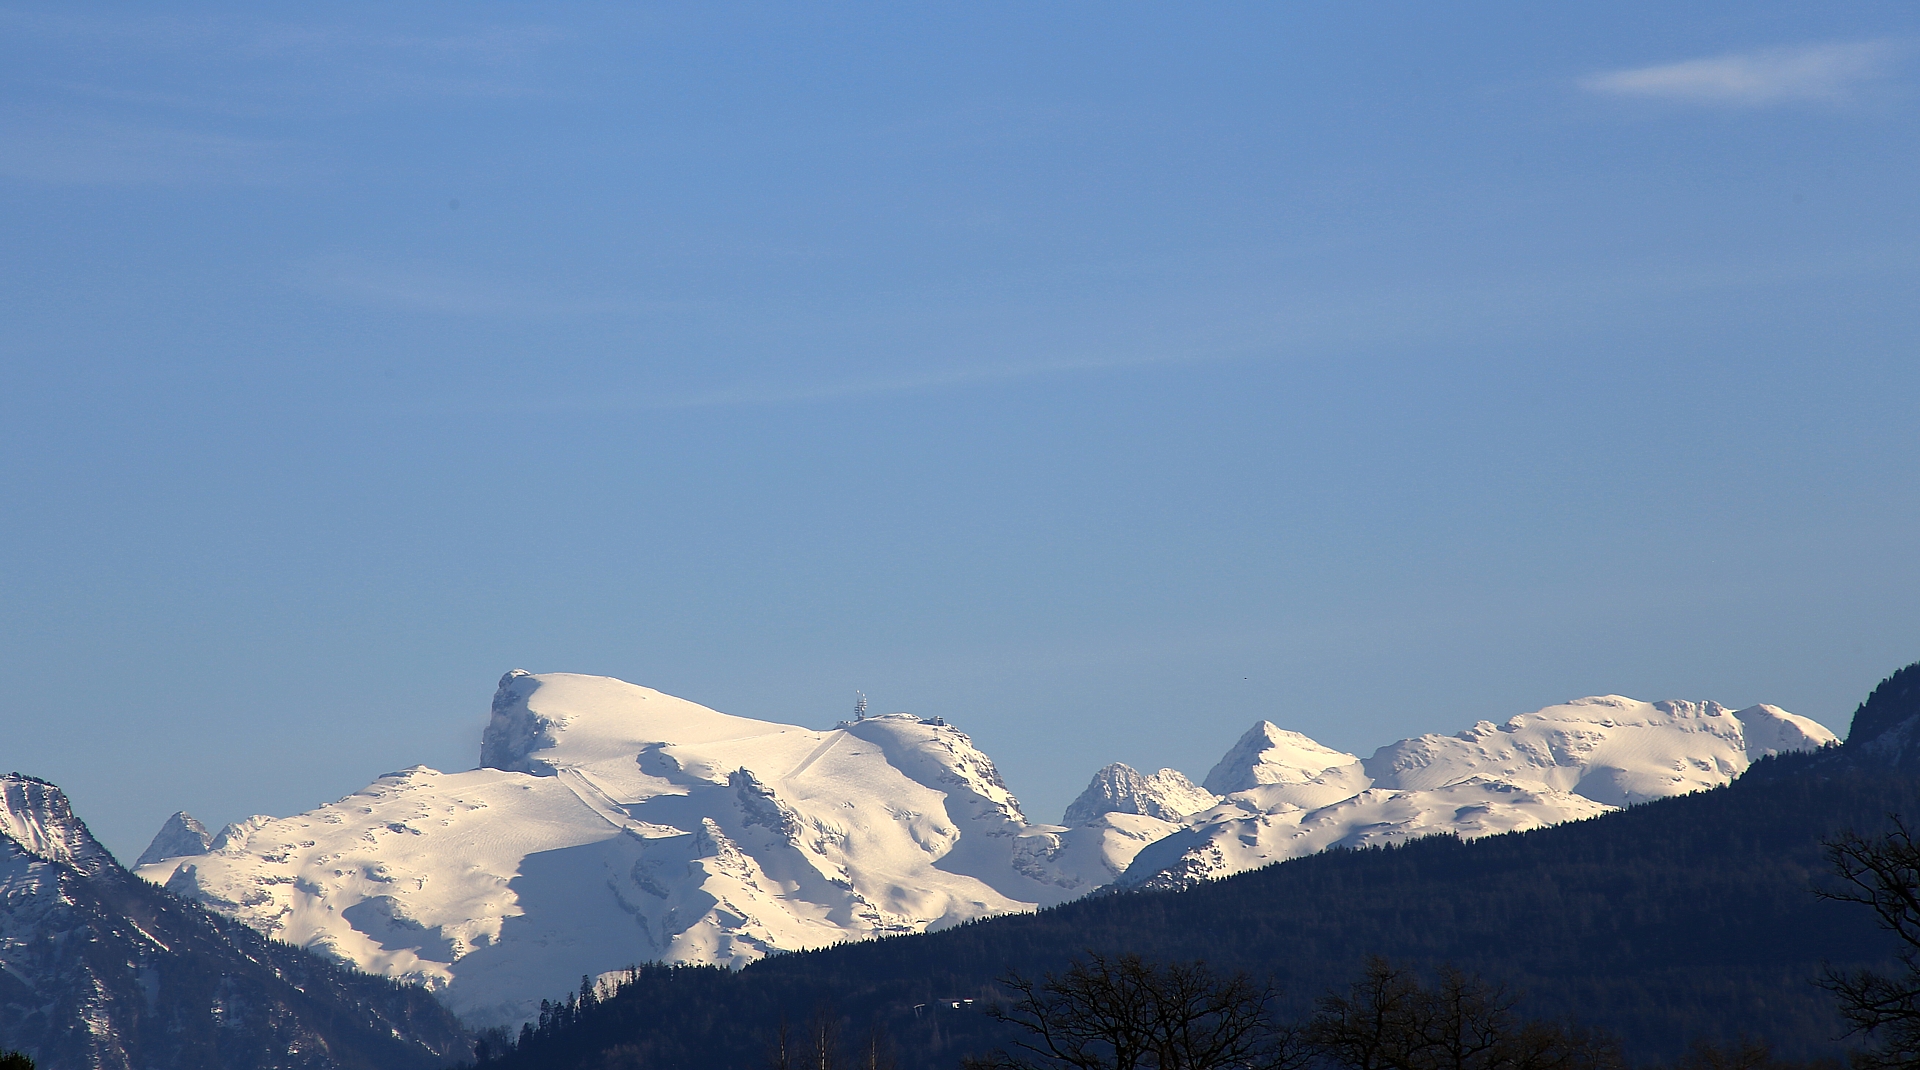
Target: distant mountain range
(1677, 921)
(100, 970)
(611, 824)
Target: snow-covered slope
(1610, 749)
(100, 970)
(1271, 755)
(612, 824)
(1287, 796)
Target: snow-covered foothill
(612, 824)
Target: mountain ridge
(610, 824)
(1678, 921)
(99, 969)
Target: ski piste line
(806, 763)
(594, 798)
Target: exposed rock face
(1120, 789)
(101, 970)
(515, 731)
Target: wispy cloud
(1511, 308)
(434, 289)
(65, 150)
(1820, 73)
(159, 33)
(251, 64)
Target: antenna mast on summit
(860, 706)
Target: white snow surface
(612, 824)
(38, 817)
(615, 825)
(1122, 789)
(1562, 763)
(1268, 754)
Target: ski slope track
(611, 824)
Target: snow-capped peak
(183, 834)
(1268, 754)
(541, 723)
(37, 816)
(1561, 763)
(611, 823)
(1121, 789)
(1769, 730)
(1608, 748)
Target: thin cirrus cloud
(240, 65)
(60, 149)
(428, 288)
(1825, 73)
(1255, 326)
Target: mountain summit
(1562, 763)
(611, 824)
(1121, 789)
(98, 969)
(181, 835)
(36, 816)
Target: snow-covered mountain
(181, 835)
(98, 971)
(1561, 763)
(611, 824)
(1120, 789)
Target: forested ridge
(1674, 922)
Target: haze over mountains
(611, 824)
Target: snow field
(611, 824)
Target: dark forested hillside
(1681, 920)
(1673, 923)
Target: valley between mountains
(610, 824)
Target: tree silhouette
(1883, 874)
(1125, 1013)
(1389, 1020)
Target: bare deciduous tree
(780, 1053)
(1883, 874)
(822, 1051)
(1389, 1020)
(1124, 1013)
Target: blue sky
(1104, 378)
